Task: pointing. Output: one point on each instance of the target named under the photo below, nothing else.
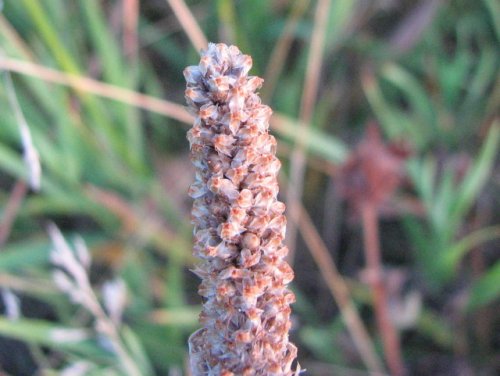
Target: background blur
(115, 171)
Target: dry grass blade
(189, 24)
(147, 227)
(86, 84)
(298, 158)
(25, 285)
(412, 26)
(314, 60)
(130, 23)
(11, 209)
(280, 50)
(338, 288)
(279, 122)
(12, 35)
(390, 338)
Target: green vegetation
(115, 172)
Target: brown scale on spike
(239, 227)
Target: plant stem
(339, 289)
(12, 207)
(390, 340)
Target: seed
(250, 240)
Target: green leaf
(417, 97)
(395, 122)
(318, 142)
(24, 254)
(442, 201)
(12, 163)
(50, 35)
(486, 289)
(456, 252)
(453, 74)
(341, 14)
(117, 73)
(423, 175)
(41, 332)
(34, 252)
(494, 9)
(103, 42)
(137, 351)
(229, 19)
(435, 327)
(321, 340)
(484, 74)
(154, 338)
(478, 175)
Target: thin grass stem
(281, 49)
(89, 85)
(130, 24)
(390, 339)
(11, 209)
(338, 288)
(298, 157)
(189, 24)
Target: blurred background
(387, 119)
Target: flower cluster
(239, 223)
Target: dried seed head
(374, 170)
(239, 226)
